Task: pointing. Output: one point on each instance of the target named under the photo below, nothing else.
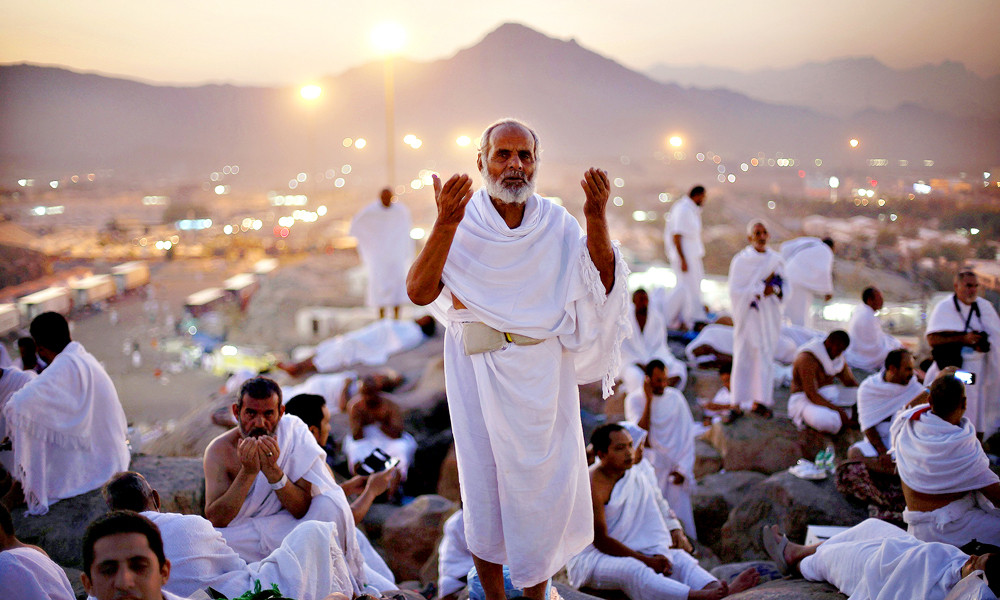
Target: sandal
(775, 549)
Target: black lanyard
(972, 309)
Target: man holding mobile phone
(962, 332)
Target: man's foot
(744, 581)
(762, 411)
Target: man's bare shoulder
(805, 361)
(223, 446)
(600, 485)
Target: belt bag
(479, 337)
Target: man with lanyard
(961, 331)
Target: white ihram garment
(685, 219)
(11, 380)
(515, 411)
(717, 337)
(634, 517)
(808, 272)
(262, 522)
(671, 447)
(404, 447)
(68, 430)
(307, 565)
(804, 412)
(371, 345)
(328, 385)
(983, 398)
(454, 558)
(935, 457)
(27, 574)
(875, 560)
(386, 248)
(644, 345)
(869, 344)
(878, 401)
(756, 326)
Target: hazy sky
(291, 41)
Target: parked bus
(55, 299)
(204, 301)
(91, 290)
(241, 288)
(131, 275)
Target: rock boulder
(790, 502)
(716, 495)
(790, 589)
(752, 443)
(707, 459)
(180, 482)
(410, 535)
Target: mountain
(850, 85)
(586, 107)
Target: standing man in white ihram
(533, 306)
(383, 232)
(685, 250)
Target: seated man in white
(648, 340)
(718, 409)
(11, 380)
(714, 344)
(949, 488)
(371, 345)
(869, 344)
(669, 305)
(308, 565)
(27, 572)
(454, 558)
(312, 410)
(67, 426)
(642, 466)
(632, 546)
(882, 395)
(815, 400)
(876, 560)
(664, 413)
(376, 422)
(268, 475)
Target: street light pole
(390, 122)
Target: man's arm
(224, 496)
(376, 485)
(423, 283)
(295, 496)
(992, 492)
(846, 376)
(647, 408)
(871, 434)
(806, 366)
(345, 395)
(597, 188)
(680, 252)
(355, 419)
(612, 547)
(969, 338)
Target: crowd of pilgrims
(276, 512)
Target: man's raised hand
(597, 188)
(451, 198)
(248, 454)
(267, 448)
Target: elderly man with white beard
(755, 284)
(533, 305)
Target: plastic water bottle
(830, 456)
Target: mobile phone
(375, 462)
(966, 377)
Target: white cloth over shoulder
(634, 517)
(515, 411)
(307, 565)
(869, 344)
(454, 558)
(644, 345)
(262, 522)
(756, 325)
(876, 560)
(831, 366)
(27, 574)
(935, 457)
(671, 441)
(879, 399)
(371, 345)
(385, 245)
(809, 264)
(68, 430)
(982, 398)
(717, 337)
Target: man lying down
(876, 560)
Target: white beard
(507, 193)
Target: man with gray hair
(533, 306)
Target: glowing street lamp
(463, 141)
(311, 92)
(854, 142)
(676, 141)
(389, 38)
